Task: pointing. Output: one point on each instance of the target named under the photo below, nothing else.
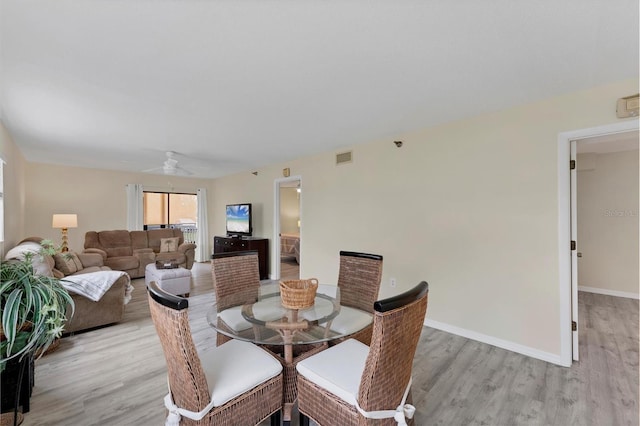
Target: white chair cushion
(337, 369)
(236, 367)
(322, 308)
(266, 312)
(233, 318)
(350, 320)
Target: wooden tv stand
(261, 245)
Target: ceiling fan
(170, 167)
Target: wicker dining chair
(234, 384)
(346, 383)
(236, 280)
(359, 282)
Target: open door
(286, 236)
(573, 176)
(567, 226)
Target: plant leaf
(10, 317)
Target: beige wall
(470, 206)
(608, 222)
(14, 191)
(98, 197)
(244, 188)
(289, 210)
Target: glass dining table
(291, 334)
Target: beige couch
(132, 251)
(88, 314)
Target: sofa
(87, 313)
(132, 251)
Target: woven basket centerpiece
(298, 294)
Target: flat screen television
(239, 220)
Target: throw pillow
(169, 244)
(77, 261)
(68, 263)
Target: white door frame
(573, 173)
(275, 246)
(564, 225)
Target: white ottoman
(175, 281)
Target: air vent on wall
(628, 106)
(344, 157)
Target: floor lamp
(64, 222)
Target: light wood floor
(116, 375)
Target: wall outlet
(392, 282)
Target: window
(171, 210)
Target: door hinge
(572, 164)
(573, 245)
(574, 326)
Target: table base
(289, 375)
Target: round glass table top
(261, 318)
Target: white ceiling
(234, 85)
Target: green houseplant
(33, 307)
(33, 310)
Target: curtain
(134, 207)
(202, 238)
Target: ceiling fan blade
(170, 167)
(153, 170)
(181, 171)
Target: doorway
(568, 260)
(607, 210)
(287, 202)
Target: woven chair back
(359, 279)
(236, 278)
(187, 381)
(396, 331)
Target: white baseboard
(490, 340)
(615, 293)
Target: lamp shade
(65, 221)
